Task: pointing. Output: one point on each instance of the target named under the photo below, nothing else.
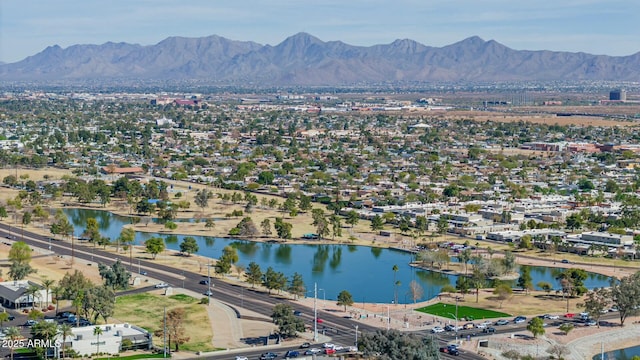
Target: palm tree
(33, 291)
(395, 269)
(13, 333)
(46, 283)
(97, 331)
(55, 292)
(66, 330)
(4, 316)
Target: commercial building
(85, 342)
(618, 95)
(15, 294)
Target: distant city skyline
(602, 27)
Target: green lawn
(466, 312)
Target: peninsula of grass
(146, 310)
(464, 312)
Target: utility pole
(164, 333)
(209, 283)
(356, 344)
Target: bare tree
(415, 291)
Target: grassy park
(464, 312)
(150, 316)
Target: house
(15, 294)
(84, 341)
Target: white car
(338, 348)
(352, 349)
(553, 317)
(161, 285)
(486, 323)
(481, 326)
(328, 346)
(437, 329)
(314, 350)
(242, 358)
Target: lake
(366, 272)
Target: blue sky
(594, 26)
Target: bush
(204, 301)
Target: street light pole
(388, 318)
(457, 317)
(315, 312)
(356, 335)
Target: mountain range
(303, 59)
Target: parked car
(489, 330)
(501, 322)
(30, 322)
(565, 261)
(437, 329)
(590, 322)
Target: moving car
(305, 345)
(161, 285)
(328, 345)
(519, 319)
(481, 326)
(207, 293)
(437, 329)
(291, 354)
(450, 349)
(329, 351)
(468, 326)
(242, 358)
(268, 356)
(501, 322)
(204, 282)
(489, 330)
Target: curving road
(340, 329)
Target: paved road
(340, 329)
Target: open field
(129, 309)
(464, 312)
(549, 119)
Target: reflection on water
(622, 354)
(366, 272)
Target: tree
(175, 327)
(270, 279)
(127, 236)
(352, 218)
(115, 276)
(296, 286)
(283, 229)
(558, 351)
(536, 326)
(20, 252)
(545, 286)
(245, 228)
(265, 225)
(396, 345)
(596, 302)
(46, 284)
(395, 270)
(525, 281)
(73, 284)
(4, 317)
(625, 295)
(155, 246)
(465, 256)
(19, 271)
(13, 333)
(209, 224)
(189, 245)
(377, 223)
(288, 324)
(66, 330)
(345, 299)
(227, 259)
(415, 291)
(202, 198)
(503, 292)
(336, 226)
(254, 274)
(97, 331)
(566, 328)
(509, 262)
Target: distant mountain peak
(303, 59)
